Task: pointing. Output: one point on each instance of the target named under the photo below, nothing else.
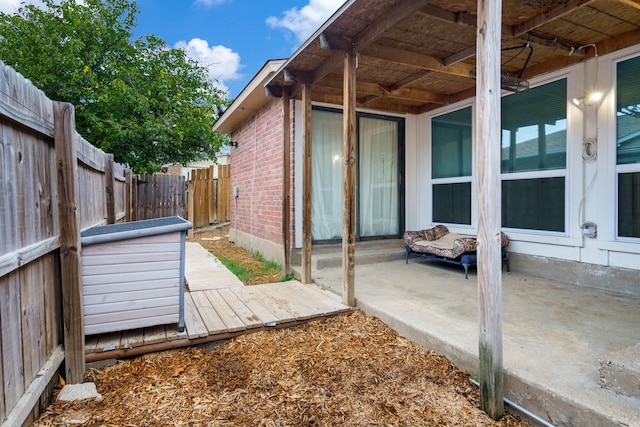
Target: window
(451, 159)
(534, 151)
(628, 146)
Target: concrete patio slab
(554, 334)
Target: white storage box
(133, 275)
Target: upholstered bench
(438, 244)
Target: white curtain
(378, 177)
(326, 159)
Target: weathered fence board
(36, 239)
(209, 196)
(223, 193)
(160, 196)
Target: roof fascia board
(253, 88)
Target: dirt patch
(348, 370)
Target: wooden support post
(109, 184)
(286, 183)
(70, 246)
(306, 183)
(488, 114)
(349, 180)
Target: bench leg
(406, 261)
(506, 262)
(466, 270)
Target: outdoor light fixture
(234, 144)
(589, 99)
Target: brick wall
(257, 172)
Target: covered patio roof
(417, 55)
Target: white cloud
(208, 3)
(223, 63)
(303, 22)
(11, 6)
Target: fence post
(109, 188)
(128, 195)
(190, 204)
(70, 246)
(211, 203)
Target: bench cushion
(438, 241)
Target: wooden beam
(286, 184)
(460, 56)
(335, 42)
(273, 91)
(411, 94)
(470, 20)
(400, 11)
(488, 116)
(631, 3)
(414, 59)
(548, 16)
(349, 180)
(70, 246)
(296, 76)
(306, 184)
(413, 78)
(373, 31)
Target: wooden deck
(220, 308)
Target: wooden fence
(209, 197)
(158, 196)
(53, 184)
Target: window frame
(619, 169)
(548, 173)
(457, 179)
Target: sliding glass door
(378, 177)
(378, 171)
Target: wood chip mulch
(347, 370)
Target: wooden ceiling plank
(399, 12)
(550, 15)
(469, 20)
(630, 3)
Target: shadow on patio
(556, 336)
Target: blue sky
(232, 38)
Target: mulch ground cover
(347, 370)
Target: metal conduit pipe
(519, 408)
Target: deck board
(192, 320)
(262, 313)
(154, 335)
(210, 317)
(226, 313)
(218, 306)
(248, 317)
(276, 307)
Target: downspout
(519, 408)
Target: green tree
(140, 100)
